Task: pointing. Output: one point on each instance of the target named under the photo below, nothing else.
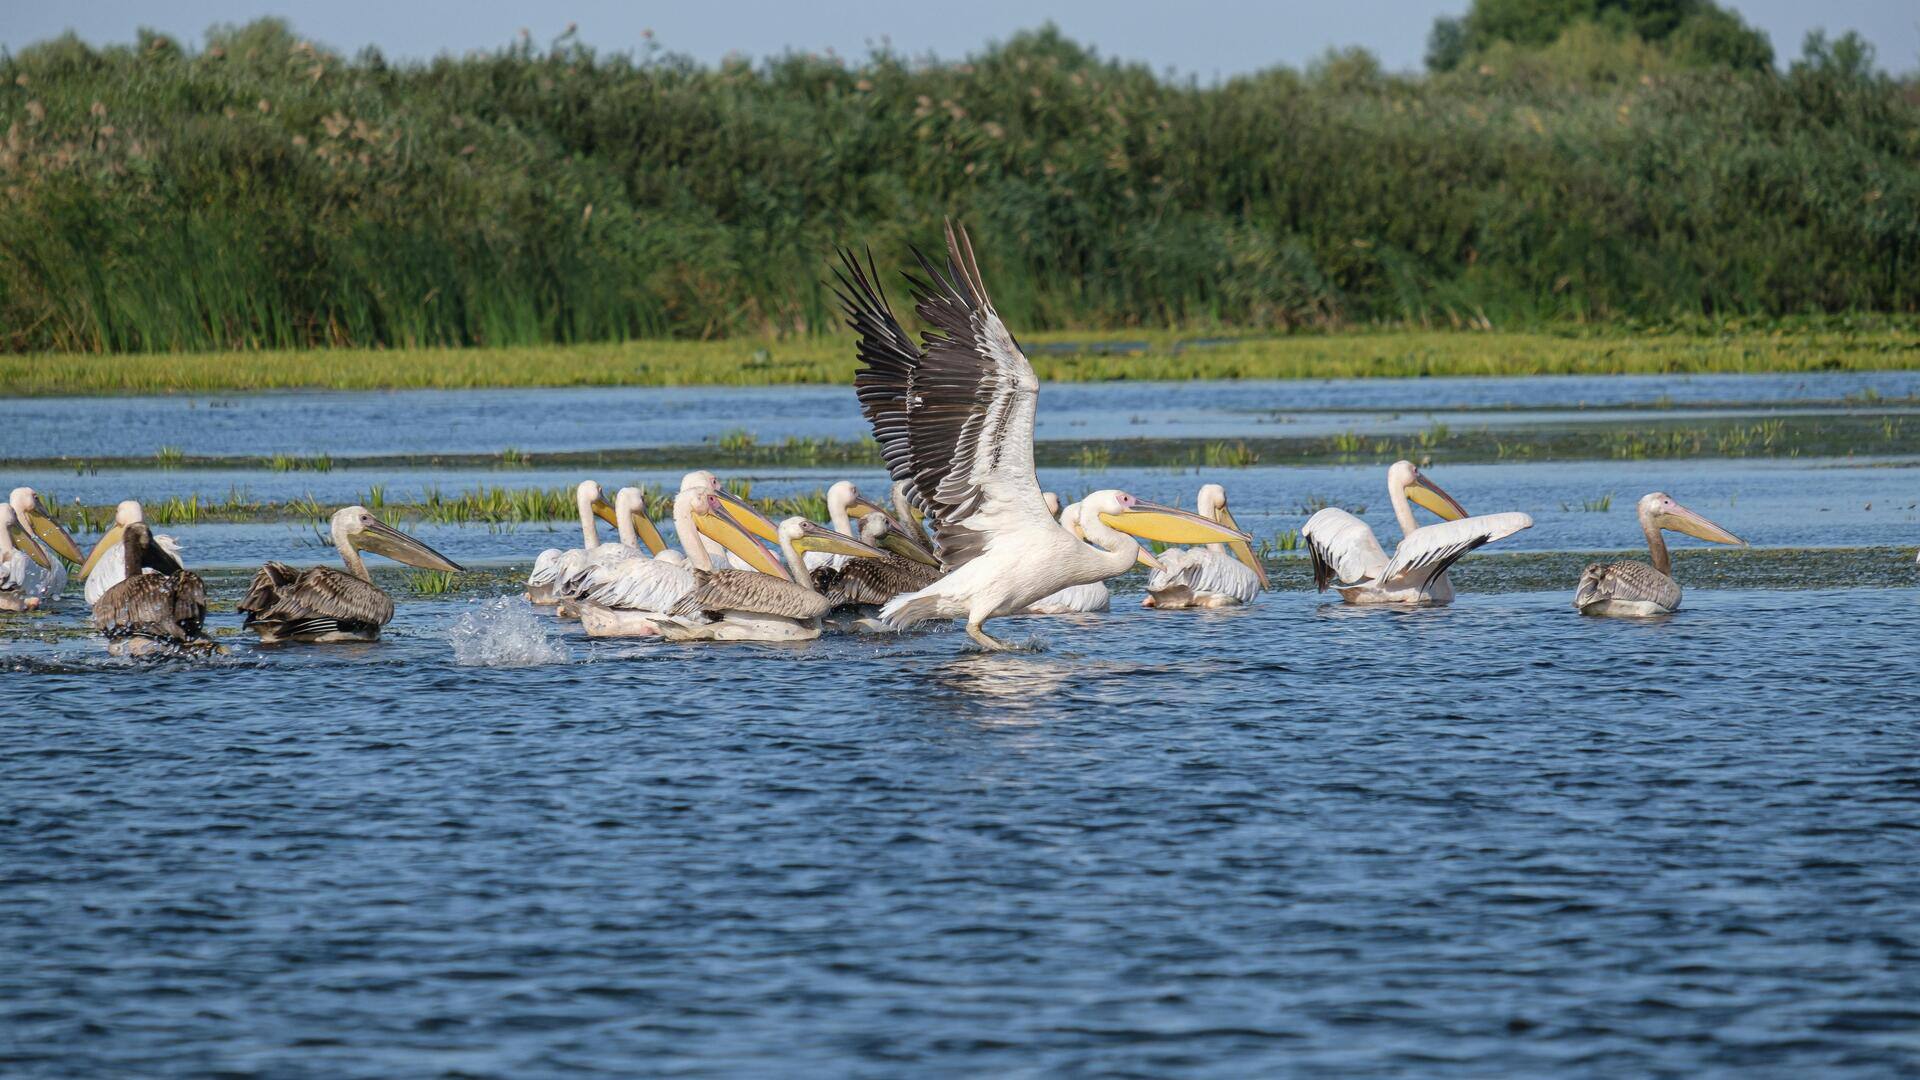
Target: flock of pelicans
(968, 534)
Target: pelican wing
(872, 581)
(716, 592)
(165, 607)
(1343, 548)
(546, 568)
(1203, 570)
(648, 585)
(1629, 581)
(1434, 548)
(956, 421)
(315, 600)
(13, 571)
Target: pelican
(955, 419)
(844, 504)
(586, 571)
(21, 563)
(554, 567)
(155, 603)
(633, 598)
(105, 568)
(1208, 577)
(1074, 599)
(754, 522)
(1631, 588)
(769, 603)
(1345, 552)
(320, 604)
(40, 533)
(869, 582)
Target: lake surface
(1491, 839)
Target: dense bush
(262, 191)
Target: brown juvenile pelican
(44, 536)
(773, 603)
(1208, 577)
(320, 604)
(955, 419)
(105, 567)
(21, 564)
(1629, 588)
(870, 582)
(157, 604)
(1346, 554)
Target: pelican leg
(986, 641)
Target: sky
(1200, 38)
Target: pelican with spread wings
(954, 419)
(1347, 556)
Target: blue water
(1295, 838)
(1491, 839)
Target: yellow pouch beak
(100, 549)
(725, 531)
(1426, 493)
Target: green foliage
(1689, 33)
(263, 192)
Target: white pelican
(1633, 588)
(21, 563)
(844, 504)
(156, 604)
(629, 513)
(105, 567)
(554, 567)
(744, 515)
(1208, 577)
(1345, 552)
(771, 603)
(44, 580)
(956, 421)
(321, 604)
(633, 598)
(1074, 599)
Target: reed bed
(265, 192)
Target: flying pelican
(156, 603)
(1207, 577)
(320, 604)
(1633, 588)
(21, 563)
(1345, 552)
(1074, 599)
(956, 421)
(105, 568)
(44, 580)
(771, 603)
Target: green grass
(1359, 354)
(1599, 505)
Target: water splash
(503, 633)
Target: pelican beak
(383, 539)
(1151, 521)
(100, 549)
(1681, 519)
(1241, 549)
(26, 544)
(744, 516)
(50, 531)
(860, 507)
(815, 537)
(902, 543)
(1428, 494)
(649, 535)
(1147, 558)
(603, 510)
(722, 529)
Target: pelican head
(845, 501)
(355, 528)
(125, 515)
(629, 511)
(1404, 476)
(803, 535)
(1659, 511)
(881, 531)
(710, 513)
(13, 537)
(1212, 505)
(1151, 521)
(129, 512)
(743, 513)
(28, 511)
